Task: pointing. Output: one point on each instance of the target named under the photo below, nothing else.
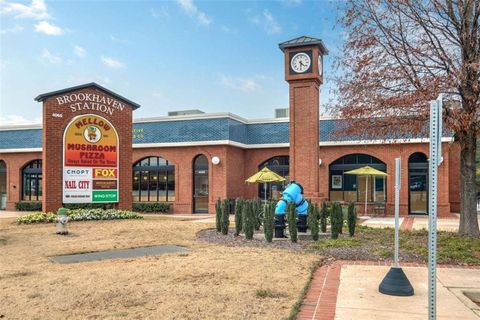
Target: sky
(216, 56)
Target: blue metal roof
(197, 130)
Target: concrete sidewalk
(348, 290)
(358, 296)
(13, 214)
(411, 223)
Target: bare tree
(399, 55)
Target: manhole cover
(118, 253)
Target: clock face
(300, 62)
(320, 65)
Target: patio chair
(380, 207)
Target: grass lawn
(377, 244)
(211, 281)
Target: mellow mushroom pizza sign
(90, 161)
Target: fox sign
(90, 161)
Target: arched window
(281, 166)
(153, 180)
(3, 185)
(32, 181)
(417, 183)
(200, 184)
(348, 187)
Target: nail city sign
(90, 161)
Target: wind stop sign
(90, 161)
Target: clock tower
(304, 74)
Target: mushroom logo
(92, 134)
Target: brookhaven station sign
(90, 101)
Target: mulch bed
(212, 236)
(368, 244)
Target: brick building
(191, 160)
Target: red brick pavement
(321, 299)
(407, 224)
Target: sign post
(395, 282)
(434, 161)
(397, 206)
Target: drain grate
(118, 253)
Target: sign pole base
(396, 283)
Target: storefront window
(3, 185)
(347, 187)
(153, 180)
(32, 181)
(281, 166)
(417, 183)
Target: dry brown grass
(210, 282)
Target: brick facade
(227, 179)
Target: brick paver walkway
(407, 224)
(320, 301)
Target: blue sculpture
(292, 193)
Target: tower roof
(303, 41)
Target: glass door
(418, 193)
(200, 184)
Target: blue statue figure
(292, 193)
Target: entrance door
(418, 184)
(3, 185)
(200, 184)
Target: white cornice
(20, 150)
(21, 127)
(253, 146)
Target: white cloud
(48, 28)
(241, 84)
(112, 63)
(15, 29)
(192, 10)
(14, 119)
(267, 21)
(79, 51)
(36, 10)
(160, 13)
(293, 2)
(50, 57)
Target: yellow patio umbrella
(265, 176)
(367, 171)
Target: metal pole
(366, 193)
(397, 205)
(434, 162)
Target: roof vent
(281, 113)
(184, 112)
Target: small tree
(323, 217)
(352, 218)
(313, 220)
(269, 221)
(238, 215)
(249, 220)
(258, 210)
(218, 215)
(292, 222)
(336, 219)
(225, 221)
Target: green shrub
(249, 220)
(352, 218)
(79, 215)
(336, 219)
(258, 211)
(269, 221)
(225, 221)
(323, 217)
(28, 206)
(218, 215)
(312, 220)
(238, 215)
(292, 222)
(163, 207)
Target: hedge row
(79, 215)
(28, 206)
(163, 207)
